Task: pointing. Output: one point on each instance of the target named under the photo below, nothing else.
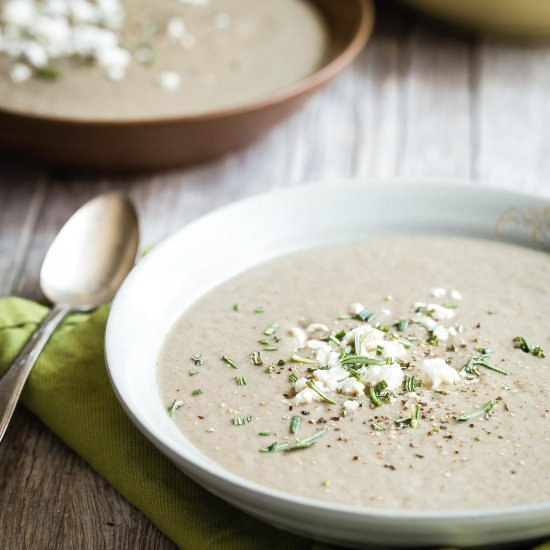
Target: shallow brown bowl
(168, 142)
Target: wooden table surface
(419, 101)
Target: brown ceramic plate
(134, 144)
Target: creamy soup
(151, 59)
(404, 373)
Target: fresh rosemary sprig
(521, 343)
(240, 381)
(293, 377)
(198, 360)
(271, 329)
(196, 392)
(411, 421)
(478, 412)
(359, 360)
(378, 427)
(410, 383)
(297, 359)
(286, 446)
(256, 358)
(241, 421)
(470, 369)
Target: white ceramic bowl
(220, 245)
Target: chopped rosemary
(193, 372)
(365, 316)
(47, 73)
(259, 309)
(295, 424)
(281, 362)
(285, 446)
(304, 360)
(410, 383)
(470, 370)
(264, 434)
(198, 391)
(264, 342)
(256, 358)
(521, 343)
(402, 325)
(478, 412)
(198, 360)
(240, 381)
(271, 348)
(411, 421)
(311, 384)
(236, 307)
(230, 362)
(374, 397)
(241, 421)
(450, 306)
(359, 360)
(176, 404)
(378, 427)
(271, 329)
(377, 393)
(293, 377)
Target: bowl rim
(236, 482)
(315, 80)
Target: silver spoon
(84, 267)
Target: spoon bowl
(92, 254)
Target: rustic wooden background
(420, 101)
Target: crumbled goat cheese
(299, 335)
(392, 374)
(20, 73)
(437, 312)
(176, 28)
(351, 405)
(441, 333)
(455, 295)
(169, 80)
(356, 308)
(438, 292)
(437, 373)
(351, 386)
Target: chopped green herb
(304, 360)
(286, 446)
(538, 352)
(402, 325)
(271, 348)
(264, 434)
(478, 412)
(264, 342)
(295, 424)
(256, 358)
(470, 370)
(359, 360)
(442, 392)
(450, 306)
(47, 73)
(491, 312)
(259, 309)
(410, 383)
(271, 329)
(193, 372)
(198, 360)
(311, 384)
(345, 316)
(521, 343)
(365, 316)
(236, 307)
(281, 362)
(374, 397)
(241, 421)
(240, 381)
(411, 421)
(176, 404)
(293, 377)
(230, 362)
(198, 391)
(378, 427)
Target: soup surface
(404, 373)
(172, 57)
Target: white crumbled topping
(455, 295)
(392, 374)
(441, 333)
(331, 378)
(307, 395)
(47, 30)
(322, 350)
(440, 313)
(351, 386)
(392, 350)
(356, 308)
(169, 80)
(176, 28)
(437, 373)
(351, 405)
(299, 334)
(426, 322)
(438, 292)
(20, 73)
(314, 327)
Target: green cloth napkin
(70, 392)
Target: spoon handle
(13, 380)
